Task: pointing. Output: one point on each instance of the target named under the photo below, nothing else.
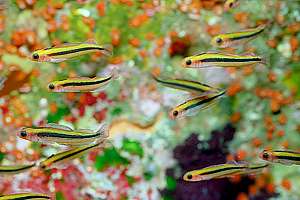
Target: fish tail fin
(107, 49)
(115, 73)
(103, 131)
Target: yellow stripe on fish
(81, 84)
(56, 159)
(215, 171)
(67, 51)
(23, 196)
(216, 59)
(193, 105)
(281, 156)
(186, 85)
(237, 38)
(5, 169)
(55, 133)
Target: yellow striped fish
(281, 156)
(21, 196)
(216, 59)
(186, 85)
(63, 135)
(56, 159)
(5, 169)
(253, 169)
(215, 171)
(67, 51)
(81, 84)
(193, 105)
(237, 38)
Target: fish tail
(107, 49)
(103, 131)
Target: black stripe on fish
(248, 36)
(204, 101)
(222, 169)
(16, 169)
(61, 135)
(86, 82)
(288, 158)
(77, 50)
(231, 59)
(258, 167)
(30, 197)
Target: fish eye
(51, 86)
(188, 62)
(265, 155)
(175, 113)
(35, 56)
(230, 5)
(219, 40)
(189, 176)
(23, 133)
(42, 166)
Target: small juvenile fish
(186, 85)
(216, 59)
(21, 196)
(229, 4)
(281, 156)
(237, 38)
(64, 135)
(5, 169)
(214, 171)
(80, 84)
(193, 105)
(56, 159)
(67, 51)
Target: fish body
(255, 168)
(56, 159)
(186, 85)
(194, 105)
(214, 172)
(281, 156)
(67, 51)
(5, 169)
(237, 38)
(80, 84)
(216, 59)
(63, 135)
(23, 196)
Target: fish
(214, 172)
(229, 4)
(195, 104)
(7, 169)
(66, 51)
(56, 160)
(63, 135)
(236, 38)
(217, 59)
(187, 85)
(20, 196)
(81, 84)
(281, 156)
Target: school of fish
(81, 141)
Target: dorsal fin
(58, 126)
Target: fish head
(193, 176)
(219, 41)
(55, 87)
(175, 113)
(267, 155)
(229, 4)
(192, 62)
(27, 134)
(39, 56)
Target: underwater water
(150, 99)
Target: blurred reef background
(149, 152)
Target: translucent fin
(56, 60)
(58, 126)
(108, 49)
(2, 80)
(103, 130)
(85, 131)
(91, 41)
